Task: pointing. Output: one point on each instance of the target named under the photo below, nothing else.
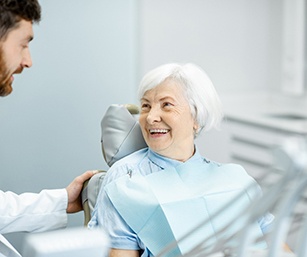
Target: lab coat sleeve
(32, 212)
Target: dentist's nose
(26, 61)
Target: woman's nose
(154, 115)
(26, 59)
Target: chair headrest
(120, 133)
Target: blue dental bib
(164, 206)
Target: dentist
(28, 211)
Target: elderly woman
(158, 194)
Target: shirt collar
(164, 162)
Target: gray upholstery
(120, 133)
(89, 194)
(120, 136)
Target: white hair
(205, 105)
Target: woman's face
(166, 121)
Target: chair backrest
(120, 132)
(120, 136)
(90, 193)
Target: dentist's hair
(204, 102)
(13, 11)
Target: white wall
(236, 41)
(84, 56)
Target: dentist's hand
(74, 191)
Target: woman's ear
(195, 127)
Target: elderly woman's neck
(189, 155)
(183, 156)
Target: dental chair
(121, 135)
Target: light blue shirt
(145, 162)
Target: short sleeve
(107, 217)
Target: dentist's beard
(5, 88)
(5, 78)
(5, 81)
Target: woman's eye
(145, 106)
(166, 104)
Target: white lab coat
(30, 212)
